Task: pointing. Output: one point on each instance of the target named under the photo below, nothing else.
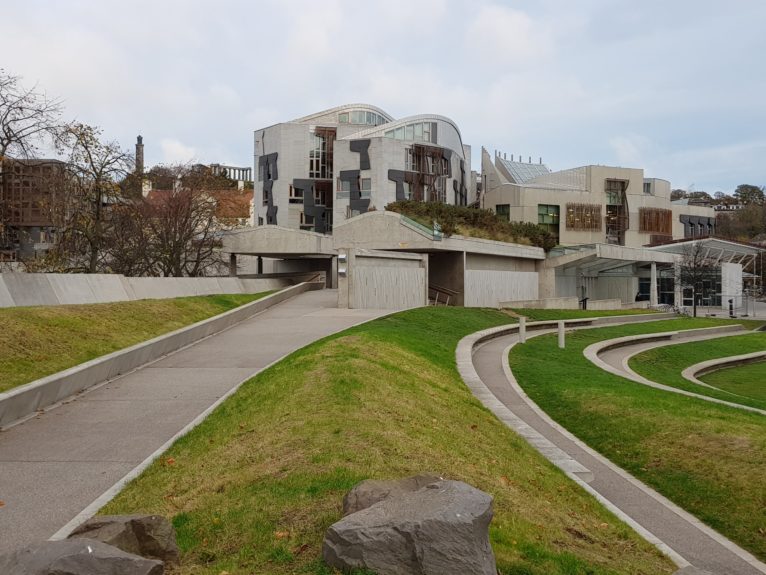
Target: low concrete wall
(693, 372)
(25, 400)
(22, 289)
(547, 303)
(487, 288)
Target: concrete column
(522, 329)
(332, 277)
(562, 343)
(653, 285)
(233, 265)
(678, 295)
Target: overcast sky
(674, 86)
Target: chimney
(530, 159)
(541, 160)
(140, 155)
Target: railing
(431, 233)
(440, 295)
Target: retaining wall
(25, 400)
(23, 289)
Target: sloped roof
(522, 172)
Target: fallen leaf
(170, 461)
(282, 534)
(301, 549)
(474, 426)
(504, 480)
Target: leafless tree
(27, 117)
(95, 169)
(694, 268)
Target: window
(343, 118)
(295, 196)
(503, 211)
(366, 184)
(655, 220)
(648, 188)
(320, 154)
(344, 185)
(548, 218)
(419, 132)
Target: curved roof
(380, 130)
(343, 108)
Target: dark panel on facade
(356, 203)
(697, 226)
(319, 213)
(267, 165)
(361, 147)
(397, 176)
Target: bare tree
(95, 169)
(27, 117)
(695, 267)
(185, 233)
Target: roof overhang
(278, 242)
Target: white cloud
(174, 152)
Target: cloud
(174, 152)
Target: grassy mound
(474, 223)
(253, 489)
(39, 341)
(707, 458)
(665, 364)
(748, 380)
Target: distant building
(29, 190)
(591, 204)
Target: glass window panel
(366, 184)
(343, 118)
(399, 133)
(409, 131)
(389, 134)
(418, 131)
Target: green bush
(486, 222)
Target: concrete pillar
(233, 265)
(522, 329)
(332, 276)
(653, 285)
(678, 295)
(562, 343)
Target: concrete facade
(23, 289)
(317, 171)
(591, 204)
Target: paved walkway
(53, 466)
(682, 534)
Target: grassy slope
(253, 488)
(665, 364)
(709, 459)
(748, 380)
(551, 314)
(39, 341)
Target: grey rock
(76, 557)
(149, 536)
(440, 529)
(369, 492)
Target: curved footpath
(62, 465)
(680, 535)
(616, 360)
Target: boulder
(369, 492)
(76, 557)
(439, 529)
(149, 536)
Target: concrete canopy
(721, 251)
(600, 258)
(278, 242)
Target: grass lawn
(551, 314)
(253, 489)
(709, 459)
(39, 341)
(665, 364)
(748, 380)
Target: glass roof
(522, 172)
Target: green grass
(746, 380)
(665, 364)
(253, 489)
(39, 341)
(707, 458)
(551, 314)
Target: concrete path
(685, 535)
(53, 466)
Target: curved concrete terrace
(692, 372)
(482, 360)
(613, 355)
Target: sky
(676, 87)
